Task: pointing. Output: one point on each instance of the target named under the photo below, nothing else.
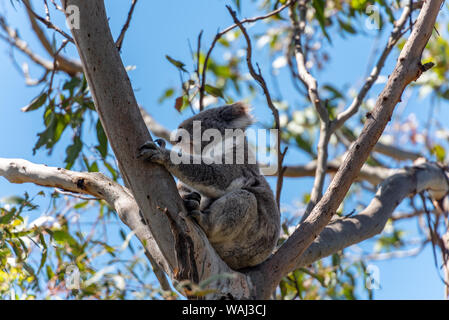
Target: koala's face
(196, 131)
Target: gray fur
(237, 210)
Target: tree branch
(391, 151)
(396, 34)
(374, 175)
(344, 232)
(312, 88)
(69, 66)
(222, 33)
(94, 184)
(152, 186)
(46, 22)
(125, 27)
(408, 69)
(261, 81)
(445, 254)
(396, 152)
(13, 39)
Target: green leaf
(336, 259)
(222, 71)
(358, 4)
(46, 137)
(102, 140)
(80, 205)
(224, 42)
(111, 170)
(335, 93)
(61, 124)
(319, 6)
(94, 167)
(167, 94)
(304, 145)
(72, 84)
(44, 254)
(16, 249)
(238, 4)
(28, 268)
(346, 26)
(439, 152)
(73, 152)
(63, 237)
(36, 103)
(7, 217)
(176, 63)
(50, 273)
(214, 91)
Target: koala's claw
(192, 201)
(149, 151)
(191, 205)
(194, 214)
(193, 196)
(147, 145)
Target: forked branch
(408, 69)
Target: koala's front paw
(195, 215)
(192, 196)
(202, 219)
(192, 201)
(153, 151)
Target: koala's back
(255, 235)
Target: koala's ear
(238, 115)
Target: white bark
(97, 185)
(343, 232)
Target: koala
(230, 200)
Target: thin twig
(396, 254)
(57, 7)
(48, 23)
(407, 215)
(66, 65)
(312, 88)
(257, 75)
(396, 34)
(12, 38)
(434, 238)
(198, 55)
(222, 33)
(25, 69)
(389, 150)
(55, 60)
(75, 195)
(125, 27)
(47, 12)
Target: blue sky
(165, 27)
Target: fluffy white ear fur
(245, 118)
